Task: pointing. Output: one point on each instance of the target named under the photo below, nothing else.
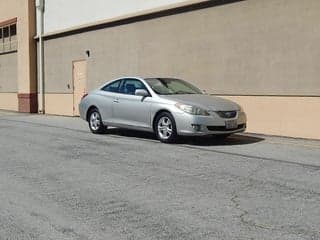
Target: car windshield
(171, 86)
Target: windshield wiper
(166, 93)
(182, 92)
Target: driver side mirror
(141, 92)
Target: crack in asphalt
(244, 213)
(244, 217)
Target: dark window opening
(6, 32)
(13, 30)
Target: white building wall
(64, 14)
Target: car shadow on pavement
(236, 139)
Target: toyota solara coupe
(166, 106)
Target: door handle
(115, 100)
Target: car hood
(204, 101)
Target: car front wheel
(95, 122)
(165, 128)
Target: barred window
(8, 38)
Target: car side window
(112, 87)
(129, 86)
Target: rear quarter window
(112, 87)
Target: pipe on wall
(41, 104)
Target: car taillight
(86, 94)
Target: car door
(107, 94)
(129, 109)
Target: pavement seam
(310, 166)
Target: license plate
(231, 124)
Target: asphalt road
(59, 181)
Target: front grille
(223, 128)
(227, 114)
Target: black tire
(168, 134)
(95, 122)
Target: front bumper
(195, 125)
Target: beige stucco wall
(24, 11)
(266, 51)
(285, 116)
(249, 47)
(59, 104)
(282, 116)
(8, 101)
(8, 63)
(26, 47)
(8, 72)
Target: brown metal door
(79, 83)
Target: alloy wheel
(95, 121)
(165, 127)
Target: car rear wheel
(165, 128)
(95, 122)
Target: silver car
(166, 106)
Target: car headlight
(192, 109)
